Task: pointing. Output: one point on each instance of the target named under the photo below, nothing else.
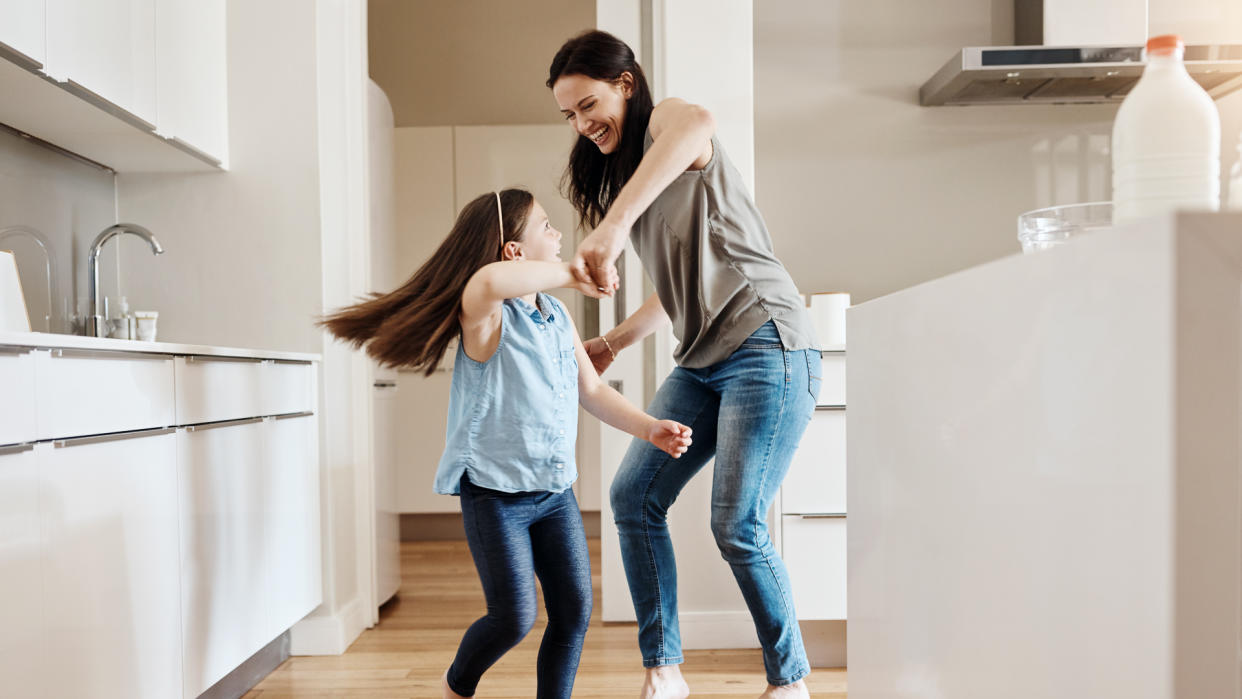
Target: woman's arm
(681, 140)
(492, 284)
(647, 319)
(605, 403)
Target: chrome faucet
(49, 263)
(95, 325)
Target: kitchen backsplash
(65, 203)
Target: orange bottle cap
(1164, 43)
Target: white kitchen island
(1044, 473)
(159, 512)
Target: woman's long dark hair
(412, 326)
(592, 180)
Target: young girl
(520, 372)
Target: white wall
(865, 191)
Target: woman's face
(540, 241)
(595, 108)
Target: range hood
(1088, 72)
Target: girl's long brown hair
(413, 326)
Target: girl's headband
(500, 218)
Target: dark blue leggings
(514, 537)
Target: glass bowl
(1041, 229)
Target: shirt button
(560, 465)
(560, 395)
(562, 431)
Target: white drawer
(288, 387)
(17, 397)
(212, 389)
(833, 390)
(815, 483)
(86, 392)
(814, 553)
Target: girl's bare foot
(664, 682)
(448, 692)
(793, 690)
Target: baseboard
(328, 634)
(712, 630)
(446, 526)
(825, 642)
(251, 672)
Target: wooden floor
(416, 638)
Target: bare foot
(448, 692)
(664, 682)
(793, 690)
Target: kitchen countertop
(37, 340)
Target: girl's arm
(605, 403)
(488, 288)
(681, 136)
(646, 320)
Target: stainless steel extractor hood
(1040, 74)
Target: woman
(747, 374)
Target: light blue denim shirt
(513, 420)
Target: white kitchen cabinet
(23, 548)
(213, 389)
(17, 410)
(106, 47)
(289, 524)
(221, 490)
(191, 65)
(815, 483)
(288, 387)
(22, 27)
(815, 556)
(89, 392)
(833, 389)
(110, 578)
(813, 504)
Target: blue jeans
(749, 411)
(514, 537)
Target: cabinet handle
(114, 437)
(15, 449)
(224, 423)
(385, 383)
(201, 155)
(78, 89)
(69, 353)
(199, 358)
(10, 349)
(830, 407)
(837, 515)
(12, 55)
(286, 416)
(302, 362)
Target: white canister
(828, 317)
(146, 324)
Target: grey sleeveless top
(709, 255)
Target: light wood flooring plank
(418, 632)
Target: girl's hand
(595, 259)
(589, 288)
(670, 436)
(601, 358)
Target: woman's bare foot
(448, 692)
(793, 690)
(664, 682)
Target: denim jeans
(749, 412)
(514, 537)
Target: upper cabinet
(191, 71)
(137, 85)
(106, 47)
(22, 28)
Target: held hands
(597, 350)
(587, 287)
(670, 436)
(594, 261)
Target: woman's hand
(588, 288)
(596, 257)
(670, 436)
(601, 356)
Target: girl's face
(595, 108)
(540, 241)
